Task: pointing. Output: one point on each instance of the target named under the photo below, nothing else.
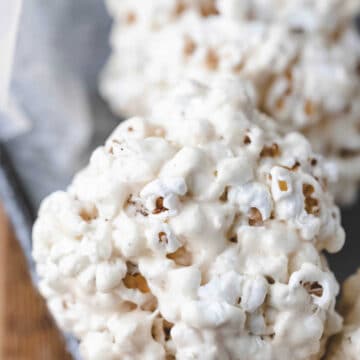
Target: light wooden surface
(27, 332)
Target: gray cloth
(62, 47)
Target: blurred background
(57, 119)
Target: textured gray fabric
(61, 49)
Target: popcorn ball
(299, 15)
(195, 233)
(302, 58)
(347, 344)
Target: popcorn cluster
(299, 15)
(302, 58)
(304, 15)
(347, 344)
(194, 233)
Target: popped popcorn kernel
(313, 288)
(89, 215)
(208, 9)
(159, 206)
(130, 18)
(136, 281)
(283, 185)
(180, 8)
(181, 257)
(270, 151)
(189, 46)
(212, 60)
(311, 204)
(255, 217)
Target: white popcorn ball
(173, 243)
(301, 60)
(306, 15)
(346, 345)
